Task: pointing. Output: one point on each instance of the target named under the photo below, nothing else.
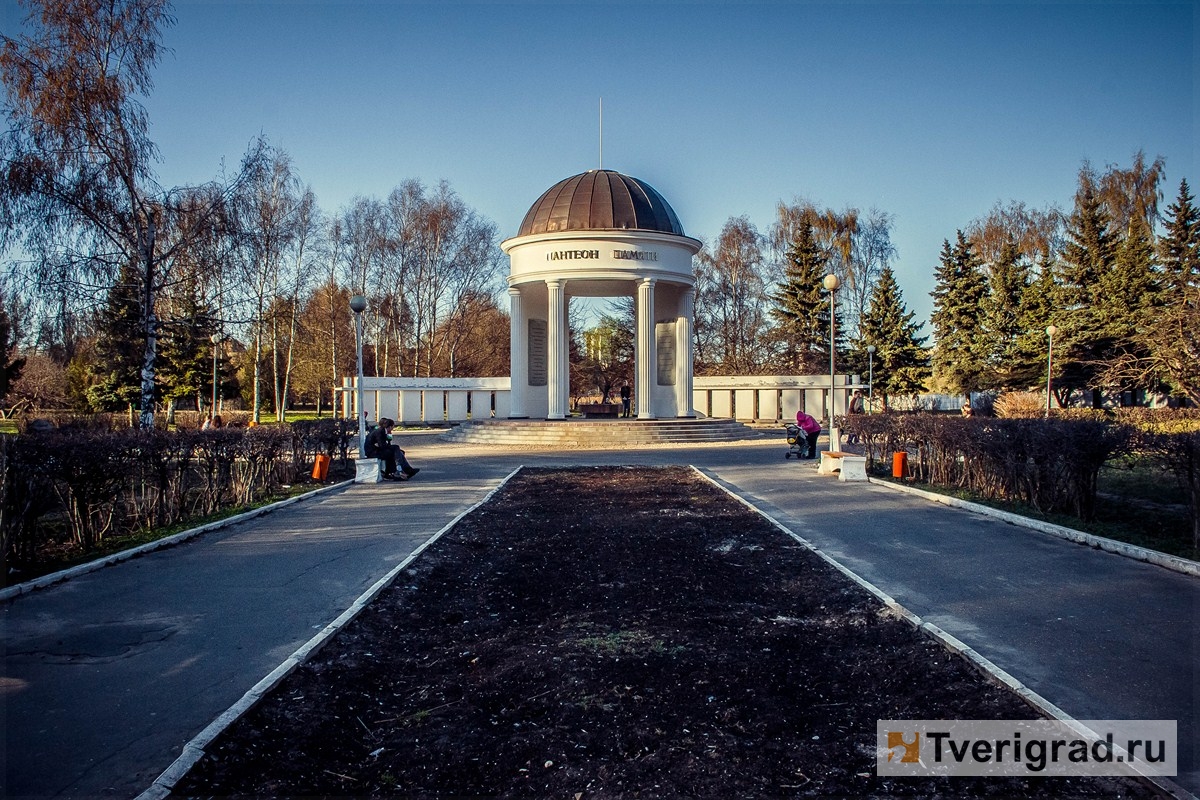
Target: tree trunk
(150, 326)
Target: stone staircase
(599, 433)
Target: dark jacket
(377, 442)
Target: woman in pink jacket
(812, 429)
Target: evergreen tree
(901, 362)
(1087, 260)
(186, 355)
(1128, 296)
(1172, 334)
(1002, 319)
(1180, 247)
(959, 354)
(115, 376)
(801, 314)
(10, 363)
(1037, 313)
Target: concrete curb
(1174, 563)
(149, 547)
(193, 751)
(990, 670)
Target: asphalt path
(108, 675)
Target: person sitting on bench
(379, 445)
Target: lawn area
(1136, 479)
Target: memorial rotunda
(601, 234)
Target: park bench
(847, 466)
(599, 409)
(368, 470)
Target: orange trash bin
(899, 465)
(321, 468)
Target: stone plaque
(664, 337)
(537, 352)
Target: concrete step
(599, 433)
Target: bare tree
(267, 211)
(1037, 234)
(77, 182)
(289, 291)
(1133, 193)
(449, 255)
(471, 264)
(365, 241)
(731, 300)
(334, 301)
(873, 253)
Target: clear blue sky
(930, 111)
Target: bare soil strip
(612, 632)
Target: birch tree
(268, 212)
(77, 185)
(732, 299)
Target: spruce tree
(1173, 337)
(959, 353)
(1002, 319)
(186, 356)
(115, 380)
(901, 362)
(1038, 312)
(1180, 247)
(801, 308)
(11, 364)
(1087, 260)
(1126, 302)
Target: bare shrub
(90, 470)
(1019, 405)
(1178, 452)
(27, 497)
(158, 491)
(1051, 464)
(214, 453)
(330, 437)
(1161, 420)
(261, 464)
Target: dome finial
(601, 132)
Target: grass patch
(1138, 479)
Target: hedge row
(73, 486)
(1051, 464)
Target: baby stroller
(797, 441)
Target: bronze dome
(598, 200)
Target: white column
(557, 375)
(646, 359)
(683, 356)
(518, 355)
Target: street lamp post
(831, 283)
(870, 377)
(358, 304)
(216, 340)
(1050, 331)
